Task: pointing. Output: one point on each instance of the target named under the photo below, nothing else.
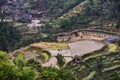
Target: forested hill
(104, 13)
(9, 36)
(65, 15)
(97, 20)
(53, 8)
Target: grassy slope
(51, 45)
(112, 47)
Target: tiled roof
(112, 39)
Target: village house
(112, 39)
(24, 18)
(13, 10)
(7, 10)
(35, 13)
(16, 3)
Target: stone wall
(80, 35)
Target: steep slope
(73, 12)
(53, 8)
(9, 36)
(88, 13)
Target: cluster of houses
(14, 9)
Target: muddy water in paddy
(76, 48)
(86, 46)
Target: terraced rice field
(85, 46)
(75, 48)
(51, 45)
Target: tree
(61, 74)
(25, 72)
(65, 74)
(8, 71)
(2, 3)
(3, 57)
(115, 76)
(60, 60)
(47, 75)
(34, 64)
(119, 42)
(52, 73)
(99, 64)
(9, 36)
(66, 24)
(20, 61)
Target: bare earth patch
(53, 61)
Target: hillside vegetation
(59, 17)
(9, 36)
(54, 8)
(89, 13)
(99, 65)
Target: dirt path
(53, 62)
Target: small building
(112, 39)
(7, 10)
(34, 23)
(35, 13)
(24, 18)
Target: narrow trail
(53, 61)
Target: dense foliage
(104, 10)
(94, 13)
(9, 36)
(11, 71)
(54, 8)
(100, 66)
(60, 60)
(22, 69)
